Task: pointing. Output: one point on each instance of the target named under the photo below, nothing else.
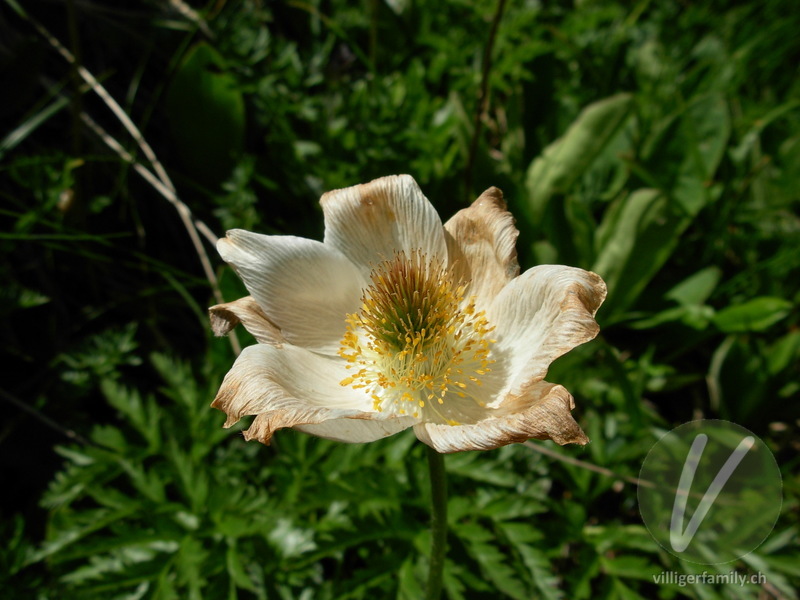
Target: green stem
(438, 477)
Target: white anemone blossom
(395, 321)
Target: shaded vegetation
(656, 143)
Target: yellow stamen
(416, 339)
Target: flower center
(416, 346)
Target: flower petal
(224, 317)
(291, 386)
(481, 246)
(542, 314)
(368, 223)
(303, 286)
(542, 412)
(357, 430)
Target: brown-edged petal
(224, 317)
(540, 315)
(371, 222)
(303, 286)
(291, 386)
(541, 411)
(481, 248)
(357, 430)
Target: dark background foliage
(656, 143)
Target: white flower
(395, 321)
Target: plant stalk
(438, 477)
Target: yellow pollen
(415, 338)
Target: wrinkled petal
(541, 411)
(481, 246)
(303, 286)
(369, 223)
(542, 314)
(487, 365)
(357, 430)
(291, 386)
(224, 317)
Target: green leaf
(291, 540)
(773, 575)
(784, 353)
(94, 520)
(194, 481)
(409, 584)
(757, 314)
(78, 457)
(636, 567)
(504, 507)
(236, 569)
(753, 136)
(190, 560)
(457, 580)
(564, 161)
(31, 124)
(206, 115)
(494, 564)
(620, 591)
(542, 573)
(738, 380)
(110, 437)
(142, 414)
(696, 317)
(636, 238)
(146, 481)
(472, 466)
(684, 154)
(615, 536)
(696, 288)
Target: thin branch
(483, 98)
(160, 181)
(24, 406)
(165, 191)
(112, 104)
(192, 15)
(191, 224)
(542, 449)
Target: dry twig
(158, 178)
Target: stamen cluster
(416, 342)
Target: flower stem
(438, 477)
